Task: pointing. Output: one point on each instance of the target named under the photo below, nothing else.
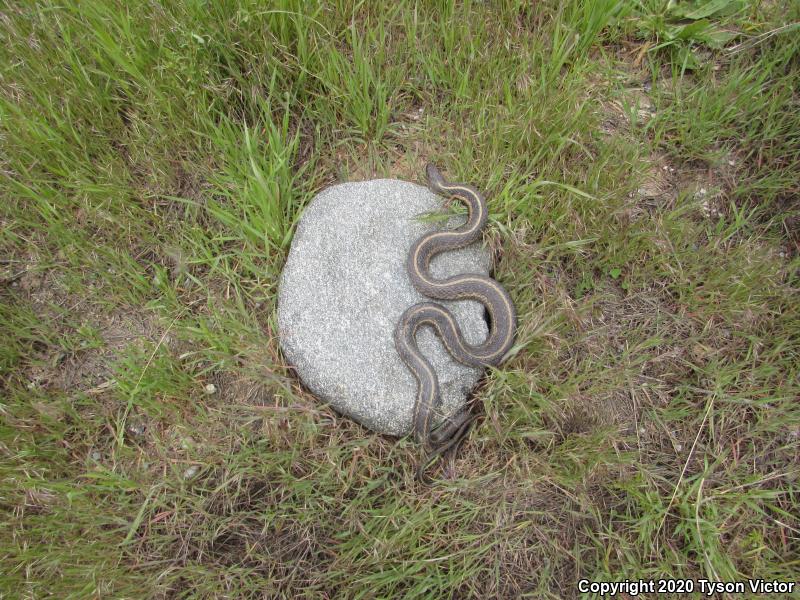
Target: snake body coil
(468, 286)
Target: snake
(468, 286)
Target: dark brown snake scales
(468, 286)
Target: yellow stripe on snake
(469, 286)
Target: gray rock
(344, 288)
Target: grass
(643, 184)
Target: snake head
(435, 179)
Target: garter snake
(468, 286)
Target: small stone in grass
(343, 290)
(210, 389)
(136, 429)
(191, 472)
